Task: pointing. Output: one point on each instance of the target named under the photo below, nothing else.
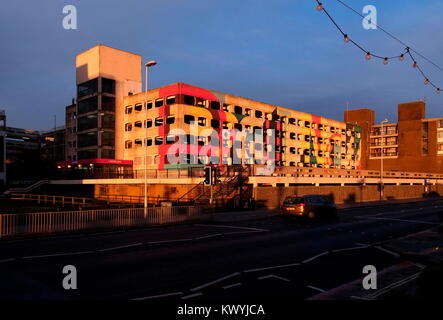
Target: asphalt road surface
(271, 258)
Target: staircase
(227, 188)
(26, 189)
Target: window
(158, 140)
(138, 107)
(292, 150)
(225, 107)
(128, 126)
(248, 112)
(189, 100)
(188, 118)
(148, 142)
(108, 86)
(87, 88)
(148, 123)
(158, 103)
(215, 123)
(292, 136)
(201, 121)
(108, 103)
(149, 105)
(238, 110)
(201, 102)
(307, 124)
(138, 142)
(170, 120)
(215, 105)
(87, 139)
(238, 126)
(128, 110)
(440, 134)
(158, 122)
(138, 124)
(170, 100)
(87, 105)
(87, 122)
(171, 139)
(291, 121)
(258, 114)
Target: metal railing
(59, 222)
(51, 199)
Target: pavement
(263, 259)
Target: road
(257, 260)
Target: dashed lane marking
(159, 296)
(273, 267)
(315, 288)
(315, 257)
(269, 276)
(192, 295)
(395, 254)
(121, 247)
(215, 281)
(58, 255)
(232, 285)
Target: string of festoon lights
(407, 52)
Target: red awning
(87, 162)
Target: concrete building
(104, 76)
(413, 144)
(301, 139)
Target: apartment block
(413, 144)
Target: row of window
(190, 100)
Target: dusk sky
(282, 52)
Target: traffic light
(208, 175)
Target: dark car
(311, 206)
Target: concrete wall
(156, 192)
(272, 197)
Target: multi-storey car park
(301, 139)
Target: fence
(58, 222)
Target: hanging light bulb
(346, 38)
(320, 6)
(402, 57)
(385, 61)
(368, 56)
(438, 91)
(415, 65)
(426, 81)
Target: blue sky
(281, 52)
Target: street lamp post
(145, 211)
(381, 160)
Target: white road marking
(273, 276)
(232, 285)
(401, 220)
(359, 298)
(192, 295)
(315, 257)
(57, 255)
(121, 247)
(159, 296)
(388, 251)
(315, 288)
(232, 227)
(215, 281)
(6, 260)
(274, 267)
(349, 249)
(209, 236)
(169, 241)
(393, 286)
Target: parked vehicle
(310, 206)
